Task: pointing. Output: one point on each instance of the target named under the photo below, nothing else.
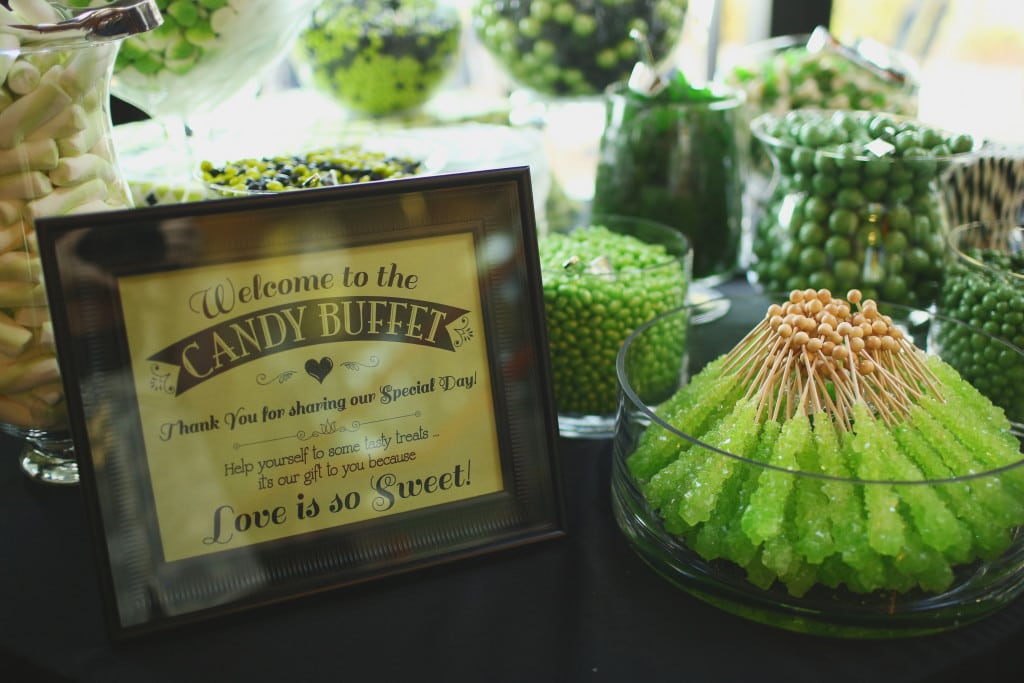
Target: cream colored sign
(303, 392)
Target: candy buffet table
(583, 607)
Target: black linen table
(579, 608)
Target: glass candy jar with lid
(856, 201)
(56, 158)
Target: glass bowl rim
(595, 219)
(759, 124)
(631, 397)
(974, 263)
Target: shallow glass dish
(345, 159)
(846, 556)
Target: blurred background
(971, 54)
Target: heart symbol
(319, 369)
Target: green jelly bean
(599, 286)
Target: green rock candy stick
(740, 548)
(988, 492)
(928, 514)
(690, 410)
(666, 489)
(978, 424)
(814, 541)
(986, 533)
(885, 525)
(987, 413)
(845, 509)
(781, 553)
(711, 537)
(763, 517)
(737, 432)
(921, 565)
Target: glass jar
(856, 201)
(601, 281)
(983, 285)
(56, 158)
(574, 47)
(206, 57)
(796, 523)
(781, 74)
(678, 163)
(379, 57)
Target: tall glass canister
(677, 161)
(56, 158)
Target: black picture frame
(113, 278)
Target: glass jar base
(48, 457)
(48, 468)
(586, 426)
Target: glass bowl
(821, 536)
(575, 47)
(204, 53)
(347, 159)
(379, 57)
(601, 281)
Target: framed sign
(277, 395)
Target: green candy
(985, 532)
(574, 47)
(599, 286)
(814, 534)
(739, 433)
(379, 57)
(688, 411)
(792, 77)
(988, 297)
(871, 214)
(763, 518)
(320, 168)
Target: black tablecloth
(580, 608)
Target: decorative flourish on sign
(161, 381)
(318, 370)
(263, 380)
(353, 365)
(328, 427)
(464, 332)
